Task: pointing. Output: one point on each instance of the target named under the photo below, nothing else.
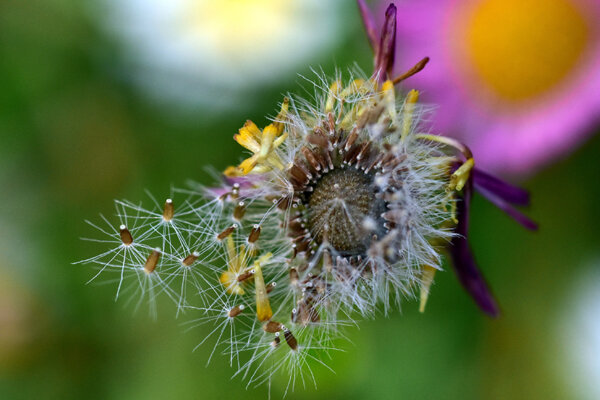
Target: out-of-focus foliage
(74, 135)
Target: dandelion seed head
(341, 209)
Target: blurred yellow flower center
(522, 48)
(238, 27)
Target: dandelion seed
(152, 261)
(276, 341)
(272, 327)
(169, 210)
(190, 259)
(126, 237)
(235, 311)
(226, 232)
(239, 211)
(290, 339)
(246, 275)
(254, 234)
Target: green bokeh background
(73, 137)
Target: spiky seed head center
(342, 209)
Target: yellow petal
(331, 96)
(232, 171)
(249, 136)
(230, 248)
(277, 142)
(389, 99)
(282, 116)
(426, 281)
(269, 134)
(248, 164)
(229, 280)
(409, 109)
(251, 128)
(263, 306)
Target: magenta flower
(517, 80)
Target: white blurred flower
(579, 330)
(207, 52)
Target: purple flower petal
(464, 263)
(508, 209)
(507, 192)
(245, 184)
(384, 60)
(244, 180)
(369, 23)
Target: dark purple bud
(384, 57)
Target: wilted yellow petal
(269, 134)
(263, 306)
(248, 164)
(331, 96)
(409, 109)
(232, 171)
(426, 281)
(278, 124)
(229, 280)
(249, 136)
